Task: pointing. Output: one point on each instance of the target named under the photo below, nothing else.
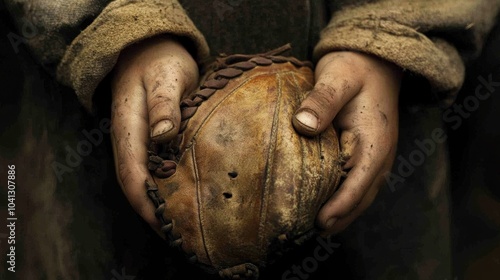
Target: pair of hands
(358, 92)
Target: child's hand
(147, 86)
(359, 93)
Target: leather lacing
(163, 159)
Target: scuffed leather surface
(245, 176)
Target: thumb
(164, 113)
(164, 91)
(336, 85)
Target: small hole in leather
(233, 174)
(227, 195)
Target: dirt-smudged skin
(244, 176)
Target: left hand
(359, 93)
(149, 79)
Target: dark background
(90, 231)
(475, 162)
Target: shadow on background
(475, 167)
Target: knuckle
(322, 99)
(157, 103)
(156, 72)
(324, 93)
(163, 78)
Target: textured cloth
(84, 37)
(49, 26)
(92, 55)
(428, 38)
(425, 37)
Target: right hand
(359, 93)
(148, 82)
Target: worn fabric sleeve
(81, 40)
(429, 38)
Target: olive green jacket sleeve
(80, 40)
(430, 38)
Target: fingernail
(330, 223)
(307, 119)
(162, 127)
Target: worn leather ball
(239, 183)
